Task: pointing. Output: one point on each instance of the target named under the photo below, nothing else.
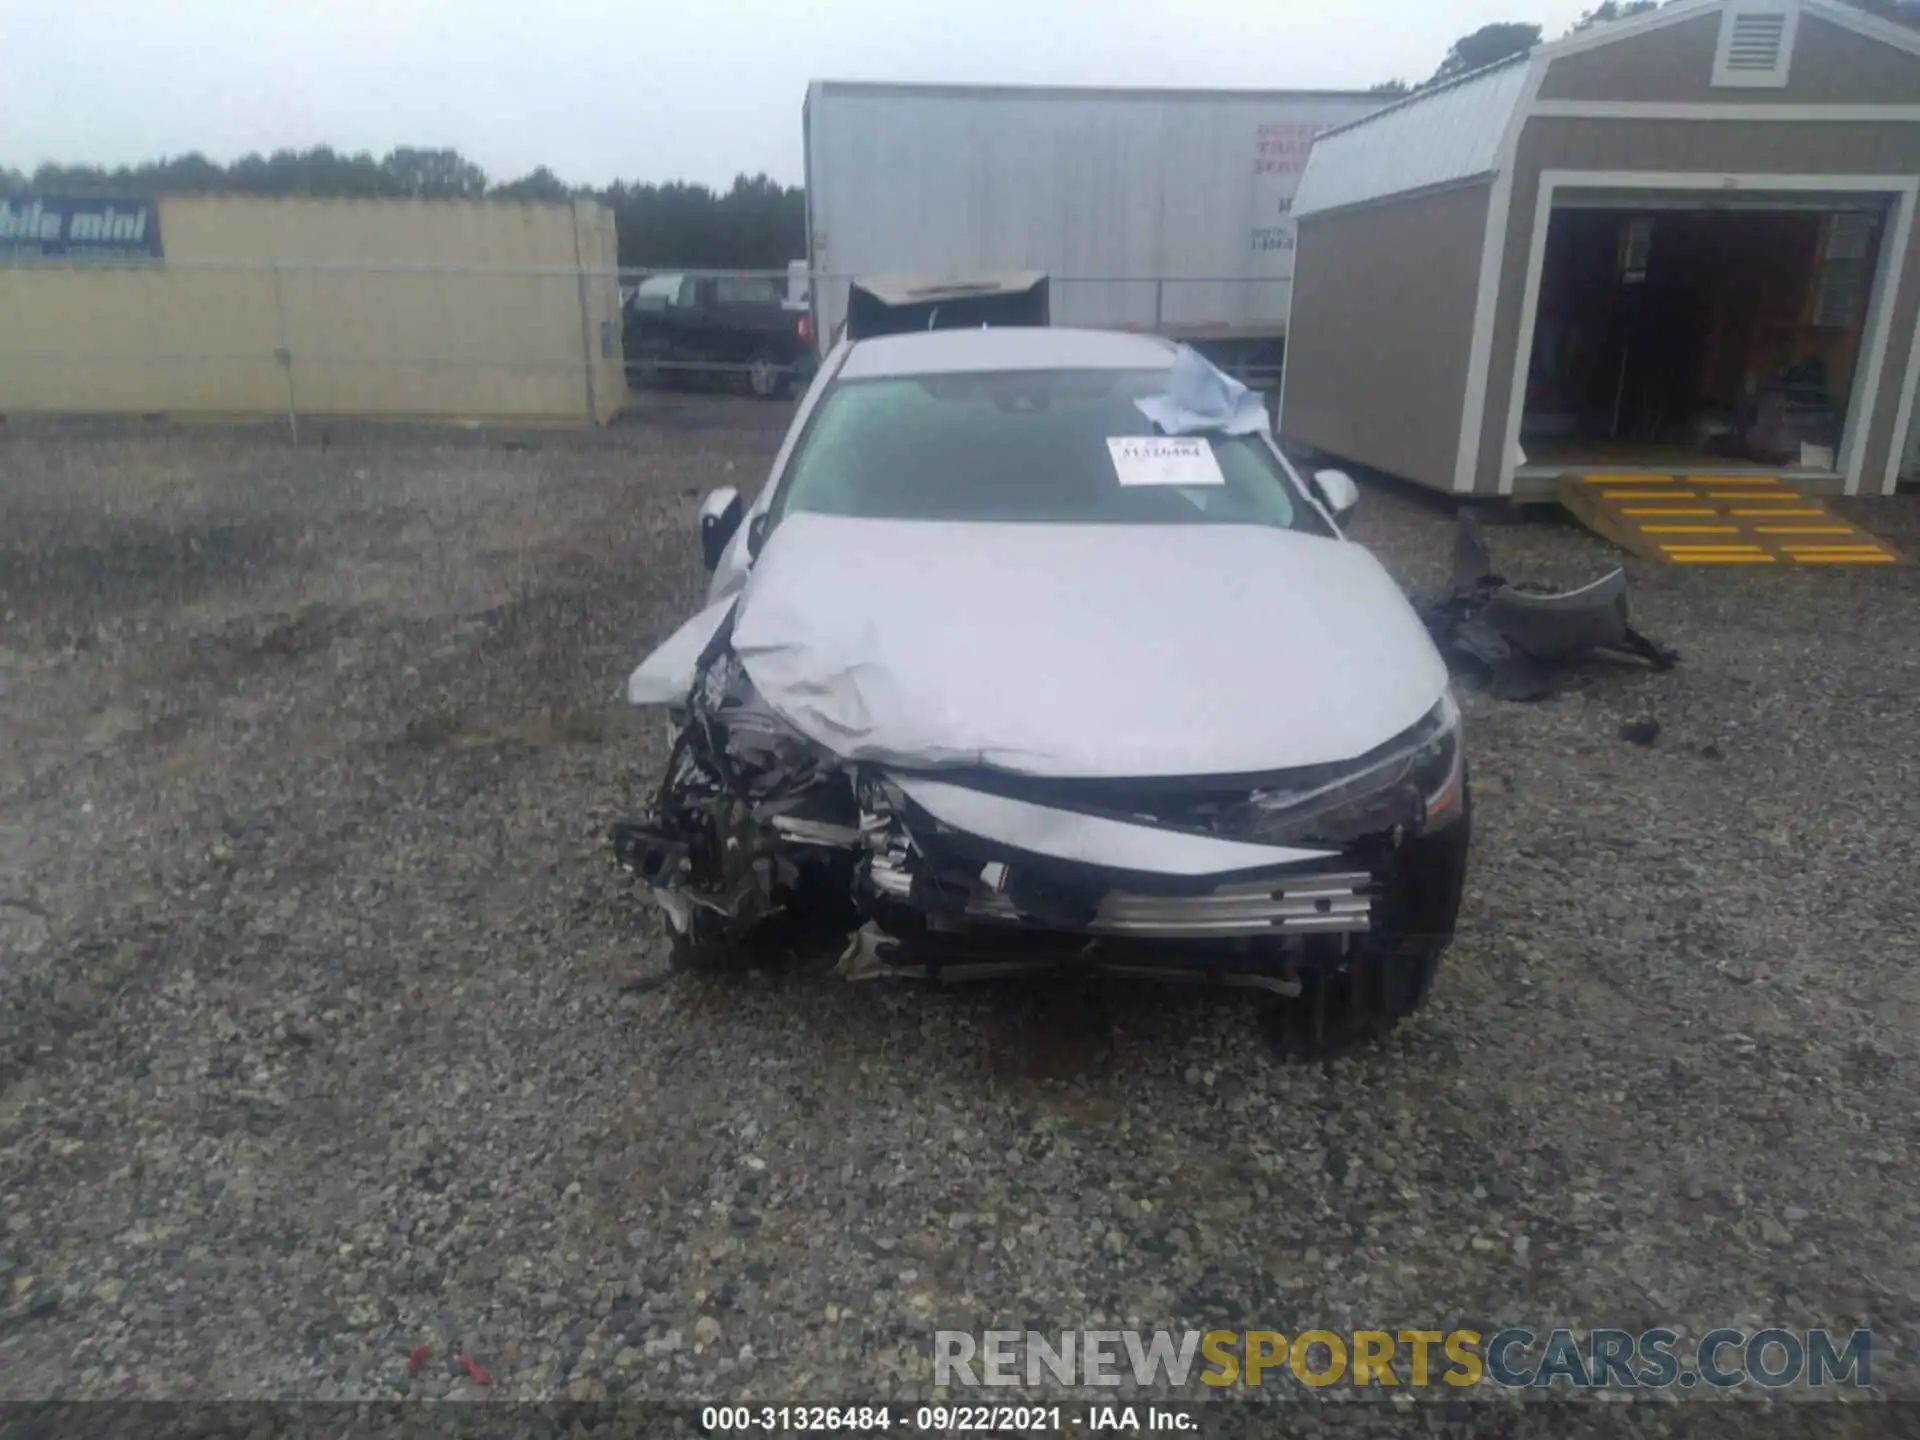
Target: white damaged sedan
(1027, 659)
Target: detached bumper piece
(1520, 637)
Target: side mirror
(719, 517)
(757, 534)
(1337, 492)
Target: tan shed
(1683, 241)
(228, 306)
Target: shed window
(1636, 249)
(1843, 271)
(1756, 46)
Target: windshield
(1029, 446)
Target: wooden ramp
(1717, 520)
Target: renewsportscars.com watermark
(1511, 1359)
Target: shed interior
(1698, 331)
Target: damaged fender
(665, 676)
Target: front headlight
(1415, 783)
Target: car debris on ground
(1520, 637)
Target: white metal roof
(1431, 138)
(1844, 13)
(941, 89)
(1459, 130)
(1012, 347)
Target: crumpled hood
(1097, 651)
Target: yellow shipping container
(482, 310)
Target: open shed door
(1677, 330)
(901, 304)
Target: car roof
(1010, 347)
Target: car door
(685, 314)
(746, 316)
(648, 328)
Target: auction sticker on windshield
(1164, 460)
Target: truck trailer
(1157, 210)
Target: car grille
(1318, 902)
(1302, 905)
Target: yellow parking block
(1836, 548)
(1718, 520)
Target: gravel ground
(331, 1033)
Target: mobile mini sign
(57, 227)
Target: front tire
(767, 378)
(1347, 1006)
(703, 950)
(1352, 999)
(644, 371)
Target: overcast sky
(699, 90)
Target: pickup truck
(729, 327)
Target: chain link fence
(507, 342)
(767, 328)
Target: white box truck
(1161, 210)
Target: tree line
(757, 224)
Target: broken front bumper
(943, 880)
(1315, 903)
(1029, 887)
